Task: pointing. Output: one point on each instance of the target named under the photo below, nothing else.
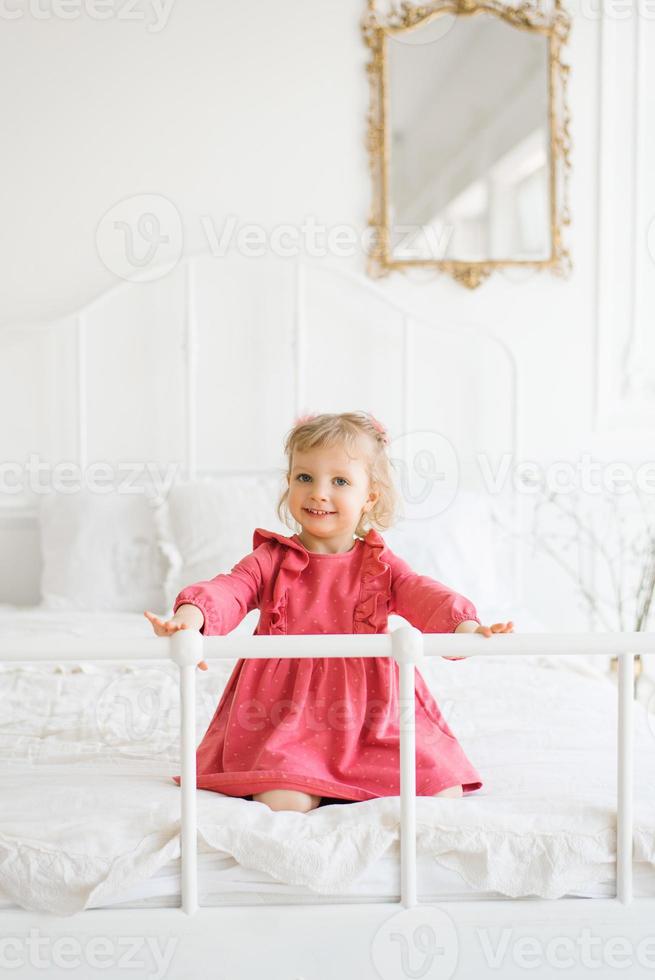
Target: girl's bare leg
(287, 799)
(451, 791)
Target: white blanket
(89, 810)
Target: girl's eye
(301, 475)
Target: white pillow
(210, 523)
(462, 547)
(100, 552)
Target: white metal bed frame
(407, 646)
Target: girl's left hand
(496, 628)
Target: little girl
(279, 735)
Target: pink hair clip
(380, 428)
(304, 418)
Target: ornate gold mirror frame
(528, 15)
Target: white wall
(257, 110)
(253, 109)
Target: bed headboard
(202, 371)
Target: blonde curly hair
(351, 430)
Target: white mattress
(222, 881)
(90, 816)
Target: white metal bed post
(185, 647)
(407, 650)
(625, 778)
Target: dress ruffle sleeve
(227, 598)
(294, 560)
(372, 609)
(424, 602)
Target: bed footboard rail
(408, 646)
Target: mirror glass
(469, 141)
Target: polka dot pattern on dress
(327, 726)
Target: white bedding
(223, 881)
(89, 813)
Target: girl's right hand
(166, 627)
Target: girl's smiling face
(328, 492)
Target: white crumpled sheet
(88, 808)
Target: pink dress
(323, 725)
